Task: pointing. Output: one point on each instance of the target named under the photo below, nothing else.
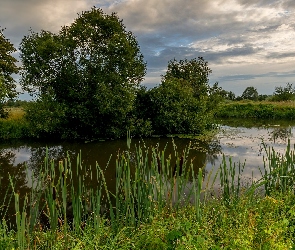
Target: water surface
(242, 140)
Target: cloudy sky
(246, 42)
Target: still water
(241, 140)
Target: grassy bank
(15, 126)
(155, 203)
(260, 110)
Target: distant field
(15, 113)
(262, 110)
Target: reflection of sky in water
(245, 145)
(240, 143)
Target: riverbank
(159, 204)
(259, 110)
(250, 223)
(15, 126)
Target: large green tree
(194, 72)
(184, 102)
(90, 70)
(7, 68)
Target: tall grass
(259, 110)
(279, 170)
(147, 183)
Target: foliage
(53, 118)
(284, 93)
(218, 92)
(14, 126)
(261, 110)
(194, 72)
(7, 68)
(263, 97)
(15, 103)
(147, 214)
(250, 93)
(175, 110)
(91, 69)
(182, 102)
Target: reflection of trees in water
(38, 155)
(214, 149)
(208, 150)
(100, 152)
(280, 133)
(200, 153)
(18, 176)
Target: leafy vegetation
(181, 104)
(7, 68)
(154, 206)
(260, 110)
(250, 93)
(284, 93)
(14, 126)
(86, 79)
(86, 76)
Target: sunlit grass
(15, 113)
(15, 125)
(151, 207)
(277, 104)
(260, 110)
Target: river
(242, 141)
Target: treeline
(286, 93)
(86, 80)
(86, 83)
(250, 104)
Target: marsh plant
(148, 183)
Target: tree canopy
(250, 93)
(87, 75)
(182, 103)
(284, 93)
(7, 68)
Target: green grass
(260, 110)
(15, 126)
(153, 207)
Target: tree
(176, 110)
(195, 72)
(181, 104)
(284, 93)
(91, 70)
(250, 93)
(217, 92)
(7, 68)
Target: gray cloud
(18, 16)
(253, 76)
(235, 37)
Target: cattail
(54, 192)
(159, 165)
(180, 167)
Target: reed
(148, 183)
(279, 170)
(230, 180)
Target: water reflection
(241, 140)
(14, 173)
(279, 133)
(32, 154)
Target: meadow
(157, 203)
(15, 126)
(255, 109)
